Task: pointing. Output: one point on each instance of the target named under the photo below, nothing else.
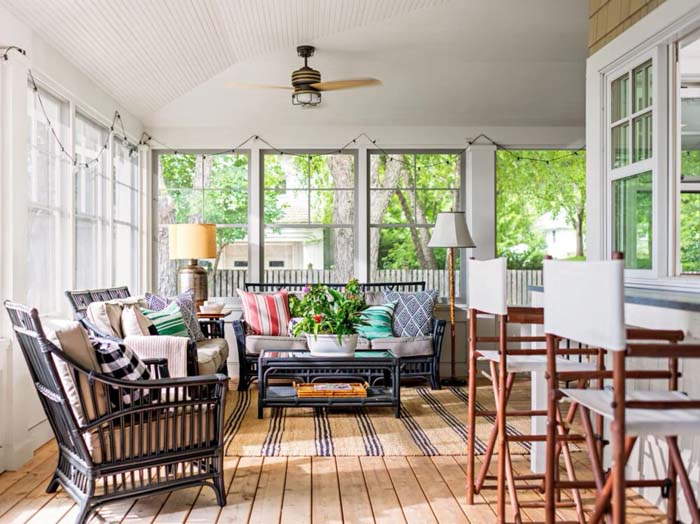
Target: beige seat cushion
(405, 346)
(254, 344)
(211, 355)
(363, 344)
(106, 317)
(172, 433)
(133, 322)
(72, 339)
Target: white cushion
(487, 285)
(254, 344)
(667, 422)
(133, 322)
(530, 363)
(211, 355)
(363, 344)
(405, 346)
(106, 317)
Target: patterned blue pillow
(413, 316)
(189, 312)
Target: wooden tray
(356, 390)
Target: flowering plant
(327, 311)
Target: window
(47, 174)
(309, 216)
(407, 191)
(631, 169)
(201, 188)
(92, 238)
(126, 215)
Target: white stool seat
(534, 363)
(667, 422)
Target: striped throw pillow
(168, 321)
(266, 313)
(378, 320)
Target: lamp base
(453, 382)
(193, 276)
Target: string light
(147, 139)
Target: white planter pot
(329, 346)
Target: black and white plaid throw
(118, 361)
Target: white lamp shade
(192, 241)
(451, 231)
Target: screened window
(126, 215)
(92, 235)
(309, 216)
(631, 169)
(201, 188)
(407, 191)
(47, 175)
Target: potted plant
(329, 318)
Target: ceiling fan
(306, 82)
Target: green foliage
(525, 190)
(690, 232)
(327, 311)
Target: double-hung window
(48, 170)
(632, 166)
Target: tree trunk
(341, 168)
(578, 226)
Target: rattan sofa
(168, 437)
(196, 351)
(425, 366)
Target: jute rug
(431, 423)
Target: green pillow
(378, 321)
(168, 321)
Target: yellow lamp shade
(192, 241)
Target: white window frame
(655, 164)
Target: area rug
(431, 423)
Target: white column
(362, 262)
(480, 199)
(147, 233)
(255, 217)
(18, 438)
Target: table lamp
(451, 231)
(192, 242)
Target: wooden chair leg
(471, 413)
(677, 460)
(672, 502)
(604, 496)
(618, 438)
(571, 473)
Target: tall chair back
(584, 301)
(487, 286)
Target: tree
(525, 190)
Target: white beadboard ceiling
(146, 53)
(442, 62)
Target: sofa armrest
(438, 334)
(173, 349)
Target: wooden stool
(487, 296)
(584, 301)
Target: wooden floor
(291, 490)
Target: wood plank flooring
(292, 490)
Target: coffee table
(372, 367)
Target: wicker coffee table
(380, 369)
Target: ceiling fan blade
(245, 85)
(350, 83)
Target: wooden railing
(225, 282)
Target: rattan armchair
(168, 436)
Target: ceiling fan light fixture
(306, 98)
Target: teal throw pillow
(378, 321)
(168, 321)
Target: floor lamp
(451, 231)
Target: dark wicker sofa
(168, 436)
(426, 367)
(80, 300)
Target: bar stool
(488, 296)
(584, 301)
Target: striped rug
(431, 423)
